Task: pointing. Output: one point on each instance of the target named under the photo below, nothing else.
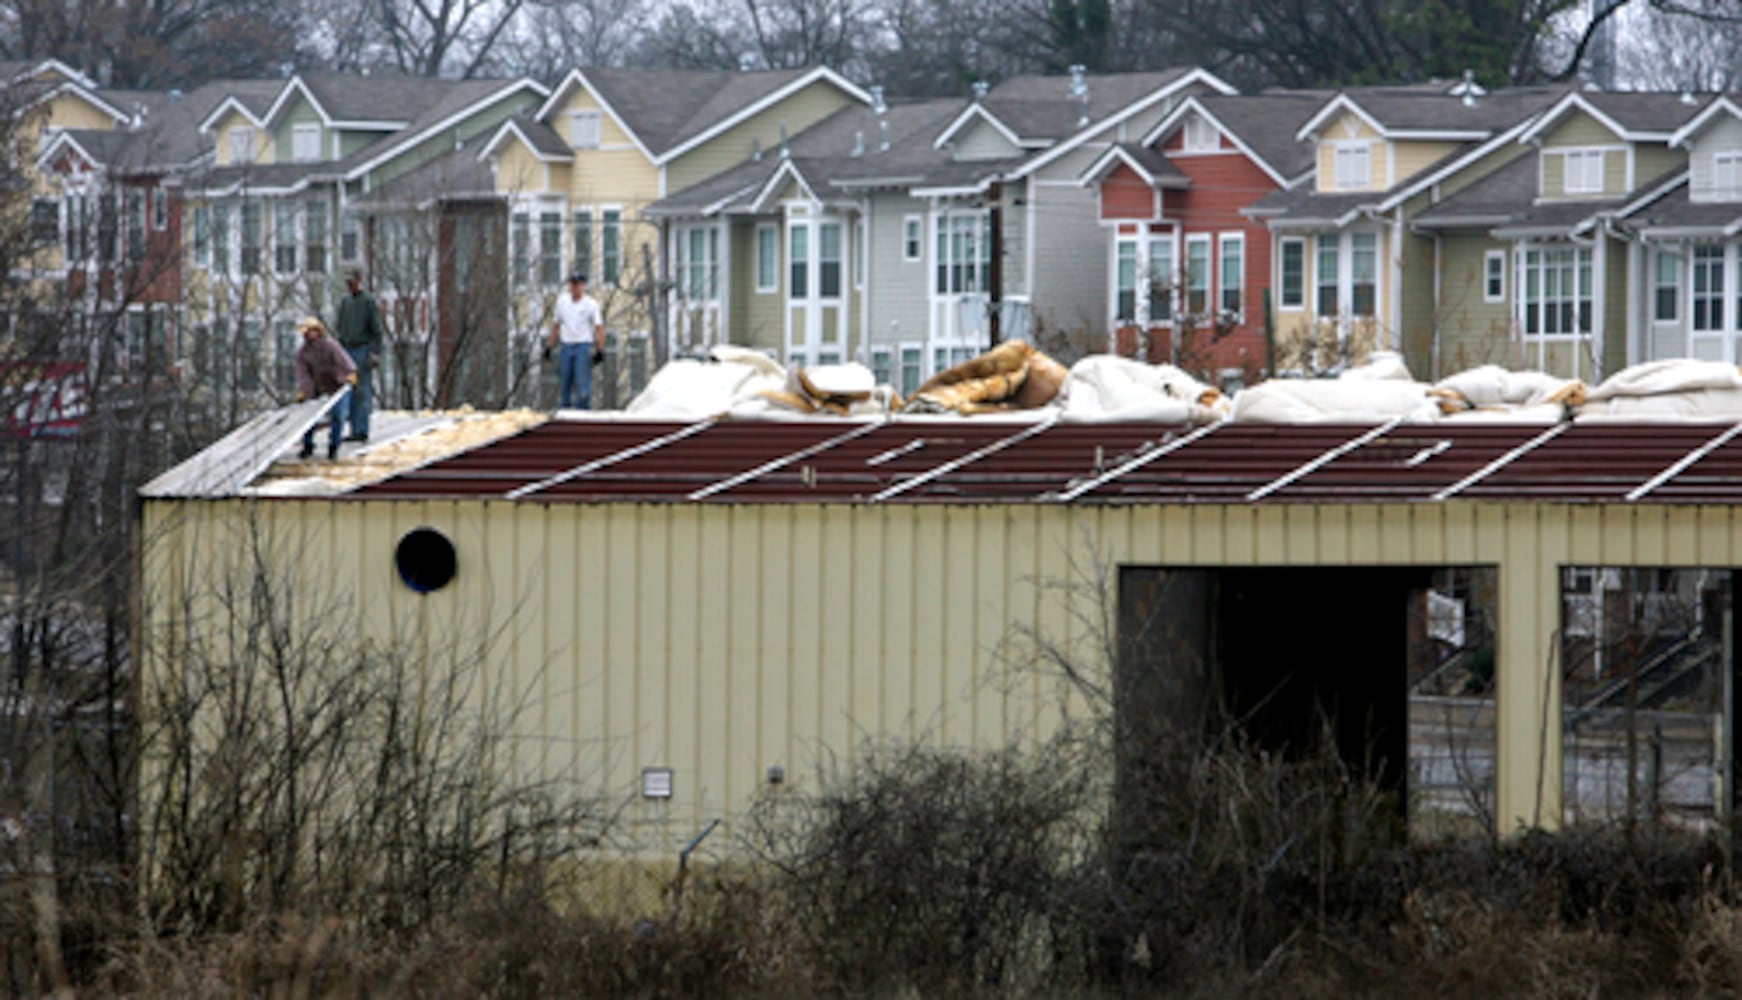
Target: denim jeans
(356, 409)
(576, 370)
(337, 413)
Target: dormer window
(1354, 166)
(1727, 175)
(241, 145)
(305, 143)
(584, 130)
(1584, 171)
(1200, 135)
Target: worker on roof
(323, 367)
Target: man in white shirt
(580, 329)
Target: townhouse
(1190, 270)
(1537, 268)
(272, 225)
(579, 173)
(966, 217)
(1351, 272)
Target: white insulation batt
(1106, 387)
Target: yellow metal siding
(718, 640)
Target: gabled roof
(1122, 95)
(1501, 197)
(249, 98)
(378, 102)
(537, 136)
(456, 176)
(461, 100)
(33, 93)
(1719, 105)
(668, 112)
(1262, 126)
(1670, 213)
(161, 136)
(1147, 162)
(1428, 112)
(1633, 117)
(17, 71)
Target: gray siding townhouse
(1686, 288)
(943, 207)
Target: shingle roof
(1435, 110)
(543, 137)
(666, 108)
(1504, 194)
(1152, 161)
(1267, 124)
(455, 176)
(1647, 111)
(384, 97)
(1042, 108)
(1677, 210)
(167, 134)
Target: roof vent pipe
(883, 134)
(1688, 97)
(756, 150)
(859, 143)
(783, 149)
(980, 89)
(1079, 85)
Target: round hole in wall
(426, 560)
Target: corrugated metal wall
(720, 640)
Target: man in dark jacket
(360, 332)
(322, 368)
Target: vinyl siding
(718, 640)
(1472, 331)
(1070, 260)
(300, 112)
(978, 140)
(1126, 195)
(1613, 288)
(1412, 158)
(1724, 135)
(1349, 126)
(221, 132)
(898, 304)
(1651, 161)
(732, 147)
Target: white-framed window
(350, 240)
(221, 260)
(882, 365)
(1346, 275)
(581, 247)
(1354, 165)
(1199, 135)
(912, 238)
(1163, 276)
(305, 142)
(829, 250)
(1197, 290)
(519, 247)
(241, 144)
(1584, 171)
(202, 236)
(1556, 299)
(767, 258)
(1707, 265)
(1231, 275)
(1727, 175)
(912, 369)
(314, 236)
(253, 235)
(1291, 293)
(584, 129)
(284, 237)
(550, 247)
(798, 257)
(964, 253)
(611, 245)
(1666, 286)
(1494, 276)
(698, 263)
(1125, 281)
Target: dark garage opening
(1289, 654)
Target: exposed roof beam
(971, 457)
(1504, 460)
(1686, 460)
(1138, 462)
(1323, 460)
(783, 461)
(612, 459)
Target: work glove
(302, 397)
(598, 355)
(545, 353)
(351, 378)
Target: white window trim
(1345, 304)
(1210, 289)
(1683, 287)
(912, 250)
(590, 137)
(243, 139)
(772, 231)
(1146, 271)
(298, 134)
(1199, 135)
(1488, 260)
(1222, 239)
(1582, 156)
(1342, 146)
(1282, 303)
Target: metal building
(697, 609)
